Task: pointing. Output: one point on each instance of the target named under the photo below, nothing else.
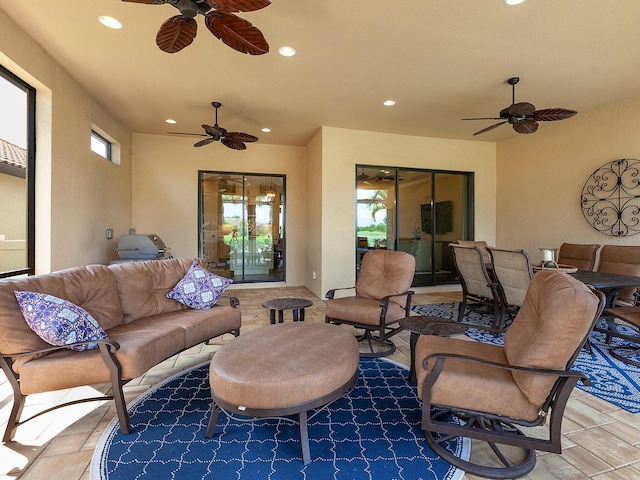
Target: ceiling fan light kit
(179, 31)
(215, 133)
(523, 116)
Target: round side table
(428, 325)
(281, 304)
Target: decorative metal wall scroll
(611, 198)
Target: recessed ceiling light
(266, 130)
(389, 103)
(287, 51)
(110, 22)
(170, 120)
(513, 2)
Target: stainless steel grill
(137, 247)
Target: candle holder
(548, 255)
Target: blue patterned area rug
(372, 433)
(616, 382)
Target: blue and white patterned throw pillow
(58, 321)
(199, 288)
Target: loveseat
(129, 302)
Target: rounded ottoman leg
(304, 438)
(215, 410)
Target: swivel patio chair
(513, 272)
(494, 390)
(382, 297)
(480, 292)
(581, 256)
(628, 317)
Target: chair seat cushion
(360, 310)
(479, 382)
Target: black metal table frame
(297, 305)
(427, 325)
(609, 283)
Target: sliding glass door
(416, 211)
(242, 225)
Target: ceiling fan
(380, 176)
(179, 31)
(523, 116)
(234, 140)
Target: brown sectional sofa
(128, 301)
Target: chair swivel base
(510, 469)
(371, 346)
(624, 354)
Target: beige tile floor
(601, 441)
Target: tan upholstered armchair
(496, 389)
(382, 297)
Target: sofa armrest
(110, 344)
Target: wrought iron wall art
(610, 198)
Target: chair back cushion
(557, 315)
(581, 256)
(471, 268)
(486, 257)
(385, 272)
(512, 269)
(623, 260)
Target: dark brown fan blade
(490, 128)
(234, 144)
(176, 33)
(206, 141)
(483, 118)
(241, 137)
(237, 33)
(189, 134)
(148, 2)
(552, 114)
(238, 5)
(521, 109)
(526, 126)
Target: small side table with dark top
(428, 325)
(281, 304)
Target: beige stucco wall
(342, 149)
(541, 176)
(314, 208)
(165, 190)
(79, 194)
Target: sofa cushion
(199, 325)
(199, 288)
(94, 289)
(15, 335)
(141, 348)
(143, 286)
(58, 321)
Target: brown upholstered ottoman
(283, 369)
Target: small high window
(100, 145)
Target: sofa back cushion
(92, 287)
(143, 286)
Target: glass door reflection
(242, 234)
